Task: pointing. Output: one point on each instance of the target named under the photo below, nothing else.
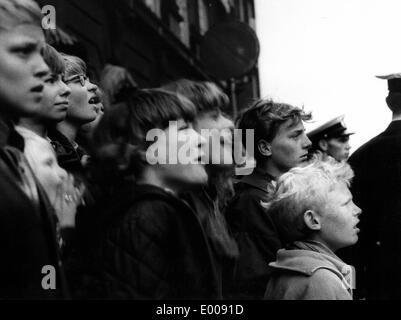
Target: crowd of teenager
(83, 200)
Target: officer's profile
(331, 139)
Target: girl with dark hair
(151, 244)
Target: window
(184, 24)
(227, 4)
(154, 5)
(203, 17)
(251, 15)
(240, 10)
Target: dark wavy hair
(265, 117)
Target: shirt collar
(258, 179)
(8, 135)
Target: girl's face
(50, 175)
(83, 99)
(22, 69)
(180, 154)
(55, 99)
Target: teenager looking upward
(151, 243)
(315, 216)
(280, 143)
(217, 129)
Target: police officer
(332, 139)
(377, 191)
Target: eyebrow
(298, 131)
(26, 44)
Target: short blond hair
(302, 189)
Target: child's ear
(323, 145)
(264, 148)
(312, 220)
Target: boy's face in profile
(289, 148)
(22, 69)
(339, 219)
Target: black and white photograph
(200, 155)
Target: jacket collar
(306, 257)
(8, 135)
(258, 179)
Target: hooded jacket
(309, 271)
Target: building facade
(156, 40)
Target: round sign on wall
(229, 50)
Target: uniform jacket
(256, 236)
(309, 271)
(152, 246)
(28, 240)
(377, 191)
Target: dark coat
(28, 240)
(152, 246)
(377, 191)
(226, 253)
(68, 157)
(256, 236)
